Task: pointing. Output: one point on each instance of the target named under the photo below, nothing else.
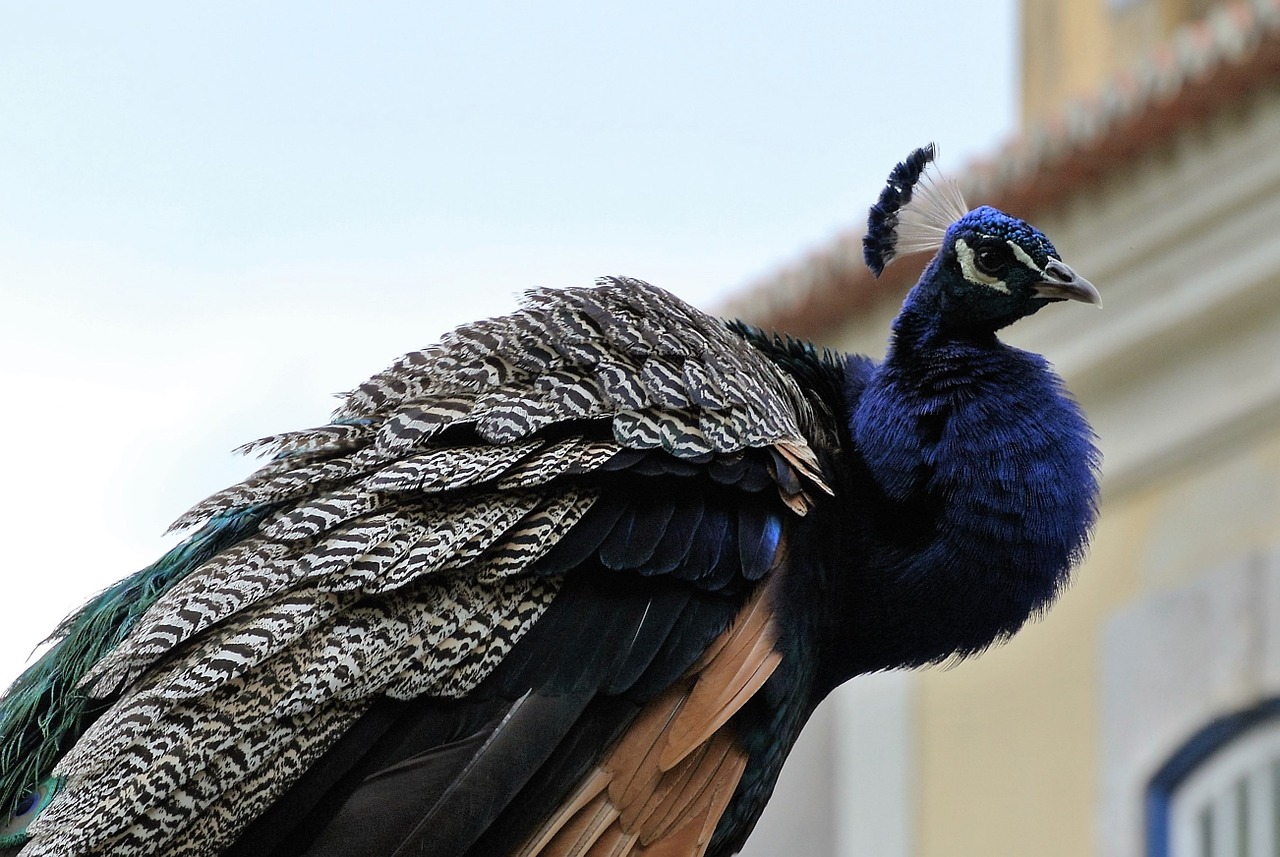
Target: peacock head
(990, 268)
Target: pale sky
(214, 216)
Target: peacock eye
(13, 833)
(991, 257)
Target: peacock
(571, 581)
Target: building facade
(1140, 717)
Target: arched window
(1219, 796)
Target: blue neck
(981, 475)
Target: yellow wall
(1009, 741)
(1071, 47)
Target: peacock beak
(1065, 284)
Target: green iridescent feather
(44, 712)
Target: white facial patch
(971, 273)
(1023, 257)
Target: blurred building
(1141, 716)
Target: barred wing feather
(409, 546)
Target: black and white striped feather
(412, 545)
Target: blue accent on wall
(1201, 746)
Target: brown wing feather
(661, 788)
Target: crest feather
(913, 213)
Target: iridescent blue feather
(879, 245)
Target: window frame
(1198, 750)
